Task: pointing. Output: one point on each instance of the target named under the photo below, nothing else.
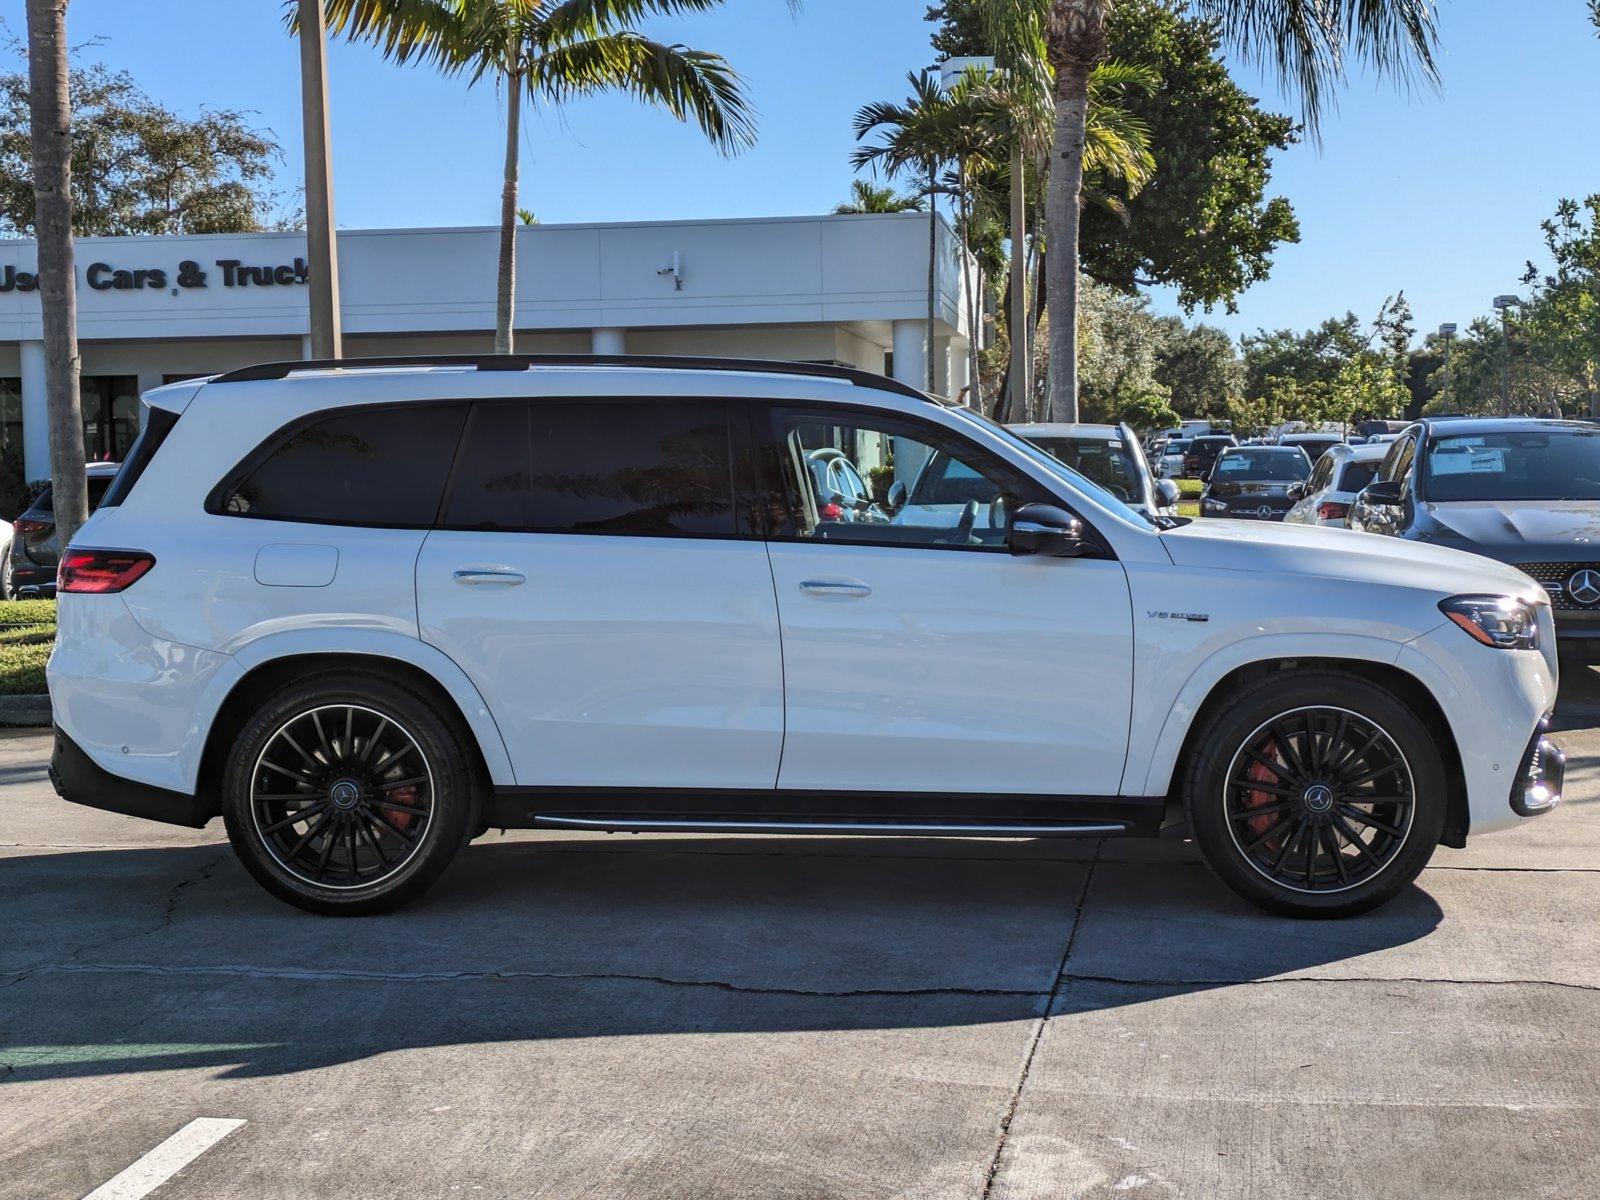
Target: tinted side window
(369, 466)
(641, 468)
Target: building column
(35, 413)
(910, 346)
(608, 341)
(960, 370)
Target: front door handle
(483, 577)
(835, 587)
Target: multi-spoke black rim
(342, 796)
(1319, 799)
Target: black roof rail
(522, 362)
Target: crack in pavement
(1009, 1115)
(316, 974)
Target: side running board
(628, 824)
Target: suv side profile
(366, 610)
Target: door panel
(614, 661)
(957, 672)
(592, 581)
(919, 655)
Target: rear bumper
(78, 778)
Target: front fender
(1154, 748)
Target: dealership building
(152, 310)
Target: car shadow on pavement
(160, 959)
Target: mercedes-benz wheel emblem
(1584, 586)
(1318, 798)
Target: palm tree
(866, 197)
(50, 125)
(551, 51)
(1056, 44)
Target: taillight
(101, 571)
(27, 525)
(1332, 510)
(830, 512)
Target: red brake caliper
(1256, 799)
(407, 796)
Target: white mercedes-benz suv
(365, 611)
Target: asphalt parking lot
(578, 1015)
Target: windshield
(1535, 464)
(1060, 470)
(1105, 460)
(1285, 466)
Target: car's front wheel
(1316, 795)
(348, 793)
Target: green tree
(138, 167)
(1340, 371)
(1200, 368)
(1119, 337)
(867, 197)
(545, 54)
(1561, 320)
(1058, 43)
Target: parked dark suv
(1203, 451)
(28, 561)
(1522, 490)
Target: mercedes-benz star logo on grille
(1584, 586)
(1264, 511)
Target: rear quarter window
(383, 467)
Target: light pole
(950, 72)
(321, 253)
(1504, 305)
(1448, 332)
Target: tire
(8, 586)
(1289, 749)
(383, 776)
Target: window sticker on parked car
(1469, 460)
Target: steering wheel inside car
(964, 527)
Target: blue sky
(1436, 193)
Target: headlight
(1498, 621)
(1210, 505)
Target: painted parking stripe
(166, 1160)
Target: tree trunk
(50, 119)
(322, 254)
(1061, 228)
(971, 282)
(933, 276)
(1021, 335)
(1062, 213)
(505, 289)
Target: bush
(27, 634)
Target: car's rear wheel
(1316, 795)
(8, 574)
(348, 794)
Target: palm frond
(1310, 43)
(690, 84)
(446, 34)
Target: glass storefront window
(110, 415)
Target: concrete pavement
(576, 1015)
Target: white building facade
(151, 310)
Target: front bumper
(1541, 776)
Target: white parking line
(166, 1160)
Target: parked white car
(1170, 464)
(1340, 473)
(364, 614)
(1109, 455)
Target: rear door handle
(835, 587)
(482, 577)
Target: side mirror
(1386, 493)
(1167, 493)
(1296, 491)
(1048, 530)
(896, 499)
